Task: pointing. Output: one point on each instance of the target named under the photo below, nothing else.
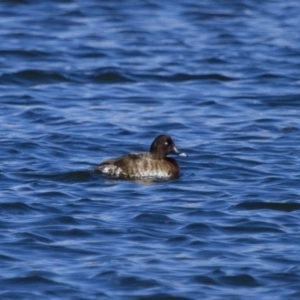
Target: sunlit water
(84, 81)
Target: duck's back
(140, 165)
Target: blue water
(84, 81)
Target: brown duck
(153, 164)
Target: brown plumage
(153, 164)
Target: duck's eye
(166, 143)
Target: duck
(153, 164)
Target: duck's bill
(176, 151)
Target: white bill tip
(183, 154)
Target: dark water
(83, 81)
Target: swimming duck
(153, 164)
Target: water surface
(84, 81)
